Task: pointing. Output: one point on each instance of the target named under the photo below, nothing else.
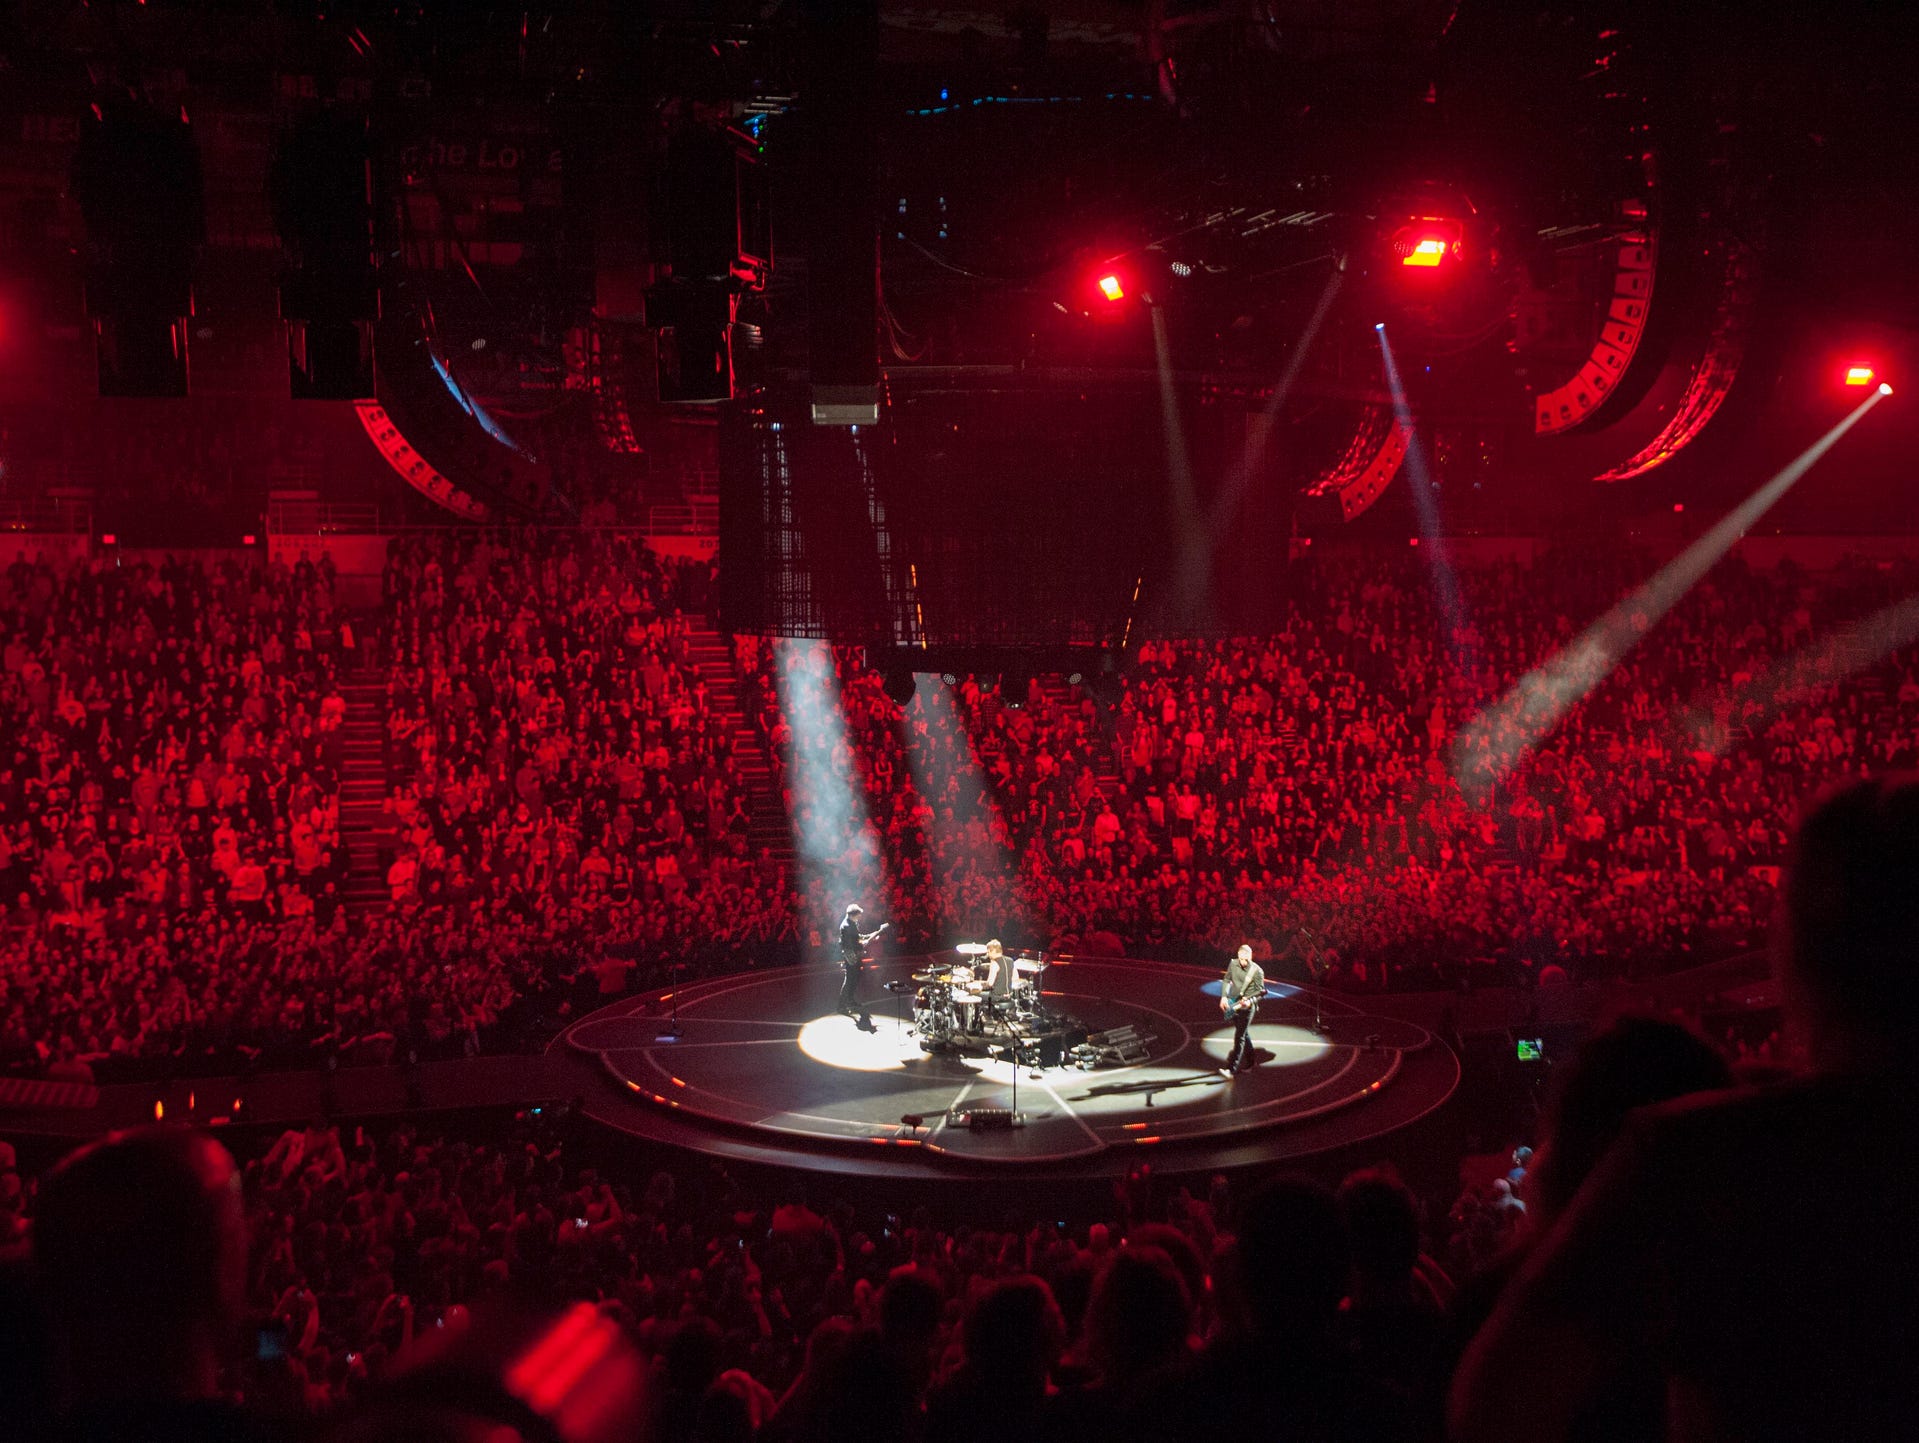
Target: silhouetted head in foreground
(1636, 1062)
(1292, 1258)
(1846, 954)
(139, 1253)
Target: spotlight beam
(1452, 605)
(1227, 503)
(1501, 736)
(838, 853)
(958, 780)
(1193, 583)
(1846, 652)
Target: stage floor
(764, 1063)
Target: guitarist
(1239, 995)
(852, 945)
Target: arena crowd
(1603, 1285)
(567, 815)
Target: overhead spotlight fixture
(950, 678)
(1884, 389)
(1859, 375)
(1074, 678)
(1180, 268)
(1428, 242)
(1111, 287)
(1379, 325)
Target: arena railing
(47, 515)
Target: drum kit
(954, 1002)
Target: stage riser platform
(765, 1061)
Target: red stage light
(1859, 375)
(1427, 243)
(1111, 287)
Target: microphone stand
(1312, 976)
(671, 1032)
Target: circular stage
(762, 1066)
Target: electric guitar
(1228, 1007)
(865, 937)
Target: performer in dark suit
(852, 948)
(1239, 996)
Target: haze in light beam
(839, 858)
(1850, 650)
(967, 837)
(1226, 504)
(1446, 593)
(1501, 736)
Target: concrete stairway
(712, 654)
(363, 820)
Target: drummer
(999, 972)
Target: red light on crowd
(1111, 287)
(1859, 375)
